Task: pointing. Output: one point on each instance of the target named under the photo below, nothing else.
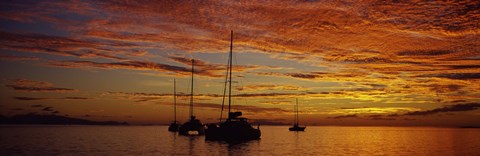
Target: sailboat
(235, 128)
(193, 126)
(174, 125)
(296, 127)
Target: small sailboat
(174, 125)
(296, 127)
(235, 128)
(193, 126)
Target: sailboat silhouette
(174, 125)
(193, 126)
(296, 127)
(235, 128)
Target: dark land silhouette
(53, 120)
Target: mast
(296, 115)
(174, 101)
(224, 91)
(230, 77)
(223, 97)
(191, 91)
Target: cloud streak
(452, 108)
(21, 98)
(26, 85)
(270, 87)
(202, 69)
(345, 116)
(244, 108)
(58, 45)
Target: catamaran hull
(297, 128)
(231, 135)
(173, 127)
(192, 126)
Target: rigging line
(239, 82)
(224, 91)
(185, 100)
(190, 87)
(191, 90)
(230, 84)
(294, 115)
(296, 100)
(174, 101)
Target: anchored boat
(174, 125)
(193, 126)
(296, 126)
(235, 128)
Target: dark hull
(297, 128)
(231, 133)
(192, 126)
(173, 127)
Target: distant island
(469, 126)
(53, 120)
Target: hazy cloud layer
(26, 85)
(261, 87)
(345, 116)
(452, 108)
(40, 98)
(392, 114)
(244, 108)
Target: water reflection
(276, 140)
(173, 148)
(296, 138)
(243, 148)
(191, 144)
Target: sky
(356, 63)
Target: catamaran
(235, 128)
(193, 126)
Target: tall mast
(191, 91)
(224, 91)
(174, 101)
(296, 114)
(230, 68)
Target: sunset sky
(348, 62)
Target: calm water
(276, 140)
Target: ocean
(275, 140)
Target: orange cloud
(249, 88)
